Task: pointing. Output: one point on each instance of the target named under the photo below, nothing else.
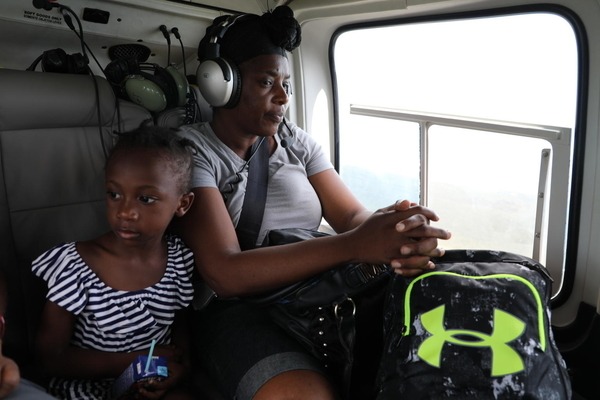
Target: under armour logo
(505, 360)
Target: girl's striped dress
(113, 320)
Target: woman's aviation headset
(219, 80)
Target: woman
(243, 351)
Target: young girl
(110, 297)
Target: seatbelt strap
(253, 208)
(251, 215)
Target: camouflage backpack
(476, 327)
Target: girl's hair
(176, 150)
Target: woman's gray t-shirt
(291, 200)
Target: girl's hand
(156, 389)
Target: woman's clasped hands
(401, 235)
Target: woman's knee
(297, 385)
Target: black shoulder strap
(253, 207)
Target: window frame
(570, 237)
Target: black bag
(320, 312)
(477, 327)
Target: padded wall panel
(43, 100)
(64, 166)
(35, 231)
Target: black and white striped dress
(113, 320)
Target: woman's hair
(251, 35)
(176, 151)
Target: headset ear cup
(55, 60)
(181, 84)
(217, 81)
(166, 82)
(114, 71)
(143, 90)
(77, 64)
(117, 70)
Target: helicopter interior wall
(25, 36)
(28, 31)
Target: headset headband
(214, 44)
